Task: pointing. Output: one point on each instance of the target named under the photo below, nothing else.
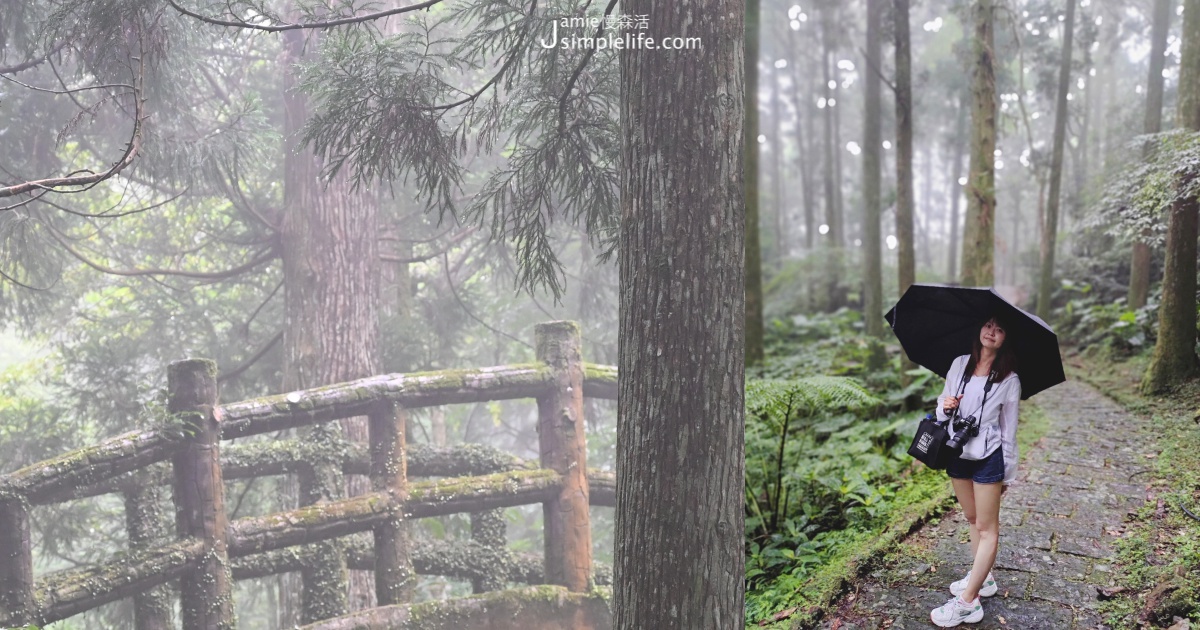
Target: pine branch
(275, 28)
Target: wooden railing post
(563, 448)
(16, 563)
(489, 529)
(145, 527)
(325, 578)
(205, 593)
(395, 579)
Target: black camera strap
(962, 388)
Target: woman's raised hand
(951, 403)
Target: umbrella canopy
(937, 323)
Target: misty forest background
(488, 203)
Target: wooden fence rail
(210, 551)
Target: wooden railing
(210, 552)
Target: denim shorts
(987, 470)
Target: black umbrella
(937, 323)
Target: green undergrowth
(1158, 556)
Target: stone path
(1056, 527)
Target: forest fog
(329, 293)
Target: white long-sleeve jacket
(998, 422)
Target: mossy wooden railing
(209, 552)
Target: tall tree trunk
(804, 144)
(1174, 358)
(904, 160)
(1050, 232)
(330, 269)
(955, 194)
(904, 148)
(679, 558)
(832, 209)
(978, 248)
(871, 177)
(1015, 241)
(776, 144)
(1139, 270)
(921, 213)
(754, 296)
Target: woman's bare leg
(987, 524)
(964, 491)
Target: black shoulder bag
(929, 445)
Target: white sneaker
(957, 611)
(988, 589)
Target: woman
(982, 385)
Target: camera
(970, 428)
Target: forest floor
(1077, 485)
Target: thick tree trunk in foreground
(331, 296)
(680, 467)
(872, 176)
(978, 247)
(754, 297)
(1139, 269)
(1174, 358)
(1050, 229)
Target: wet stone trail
(1057, 524)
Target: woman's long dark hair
(1006, 360)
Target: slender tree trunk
(1139, 270)
(776, 144)
(978, 248)
(904, 148)
(804, 144)
(331, 279)
(754, 297)
(955, 193)
(679, 558)
(872, 176)
(832, 209)
(904, 160)
(1015, 254)
(1050, 232)
(1174, 358)
(921, 213)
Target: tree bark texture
(1139, 269)
(679, 558)
(1053, 202)
(753, 263)
(872, 175)
(978, 229)
(331, 277)
(206, 592)
(562, 441)
(1174, 358)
